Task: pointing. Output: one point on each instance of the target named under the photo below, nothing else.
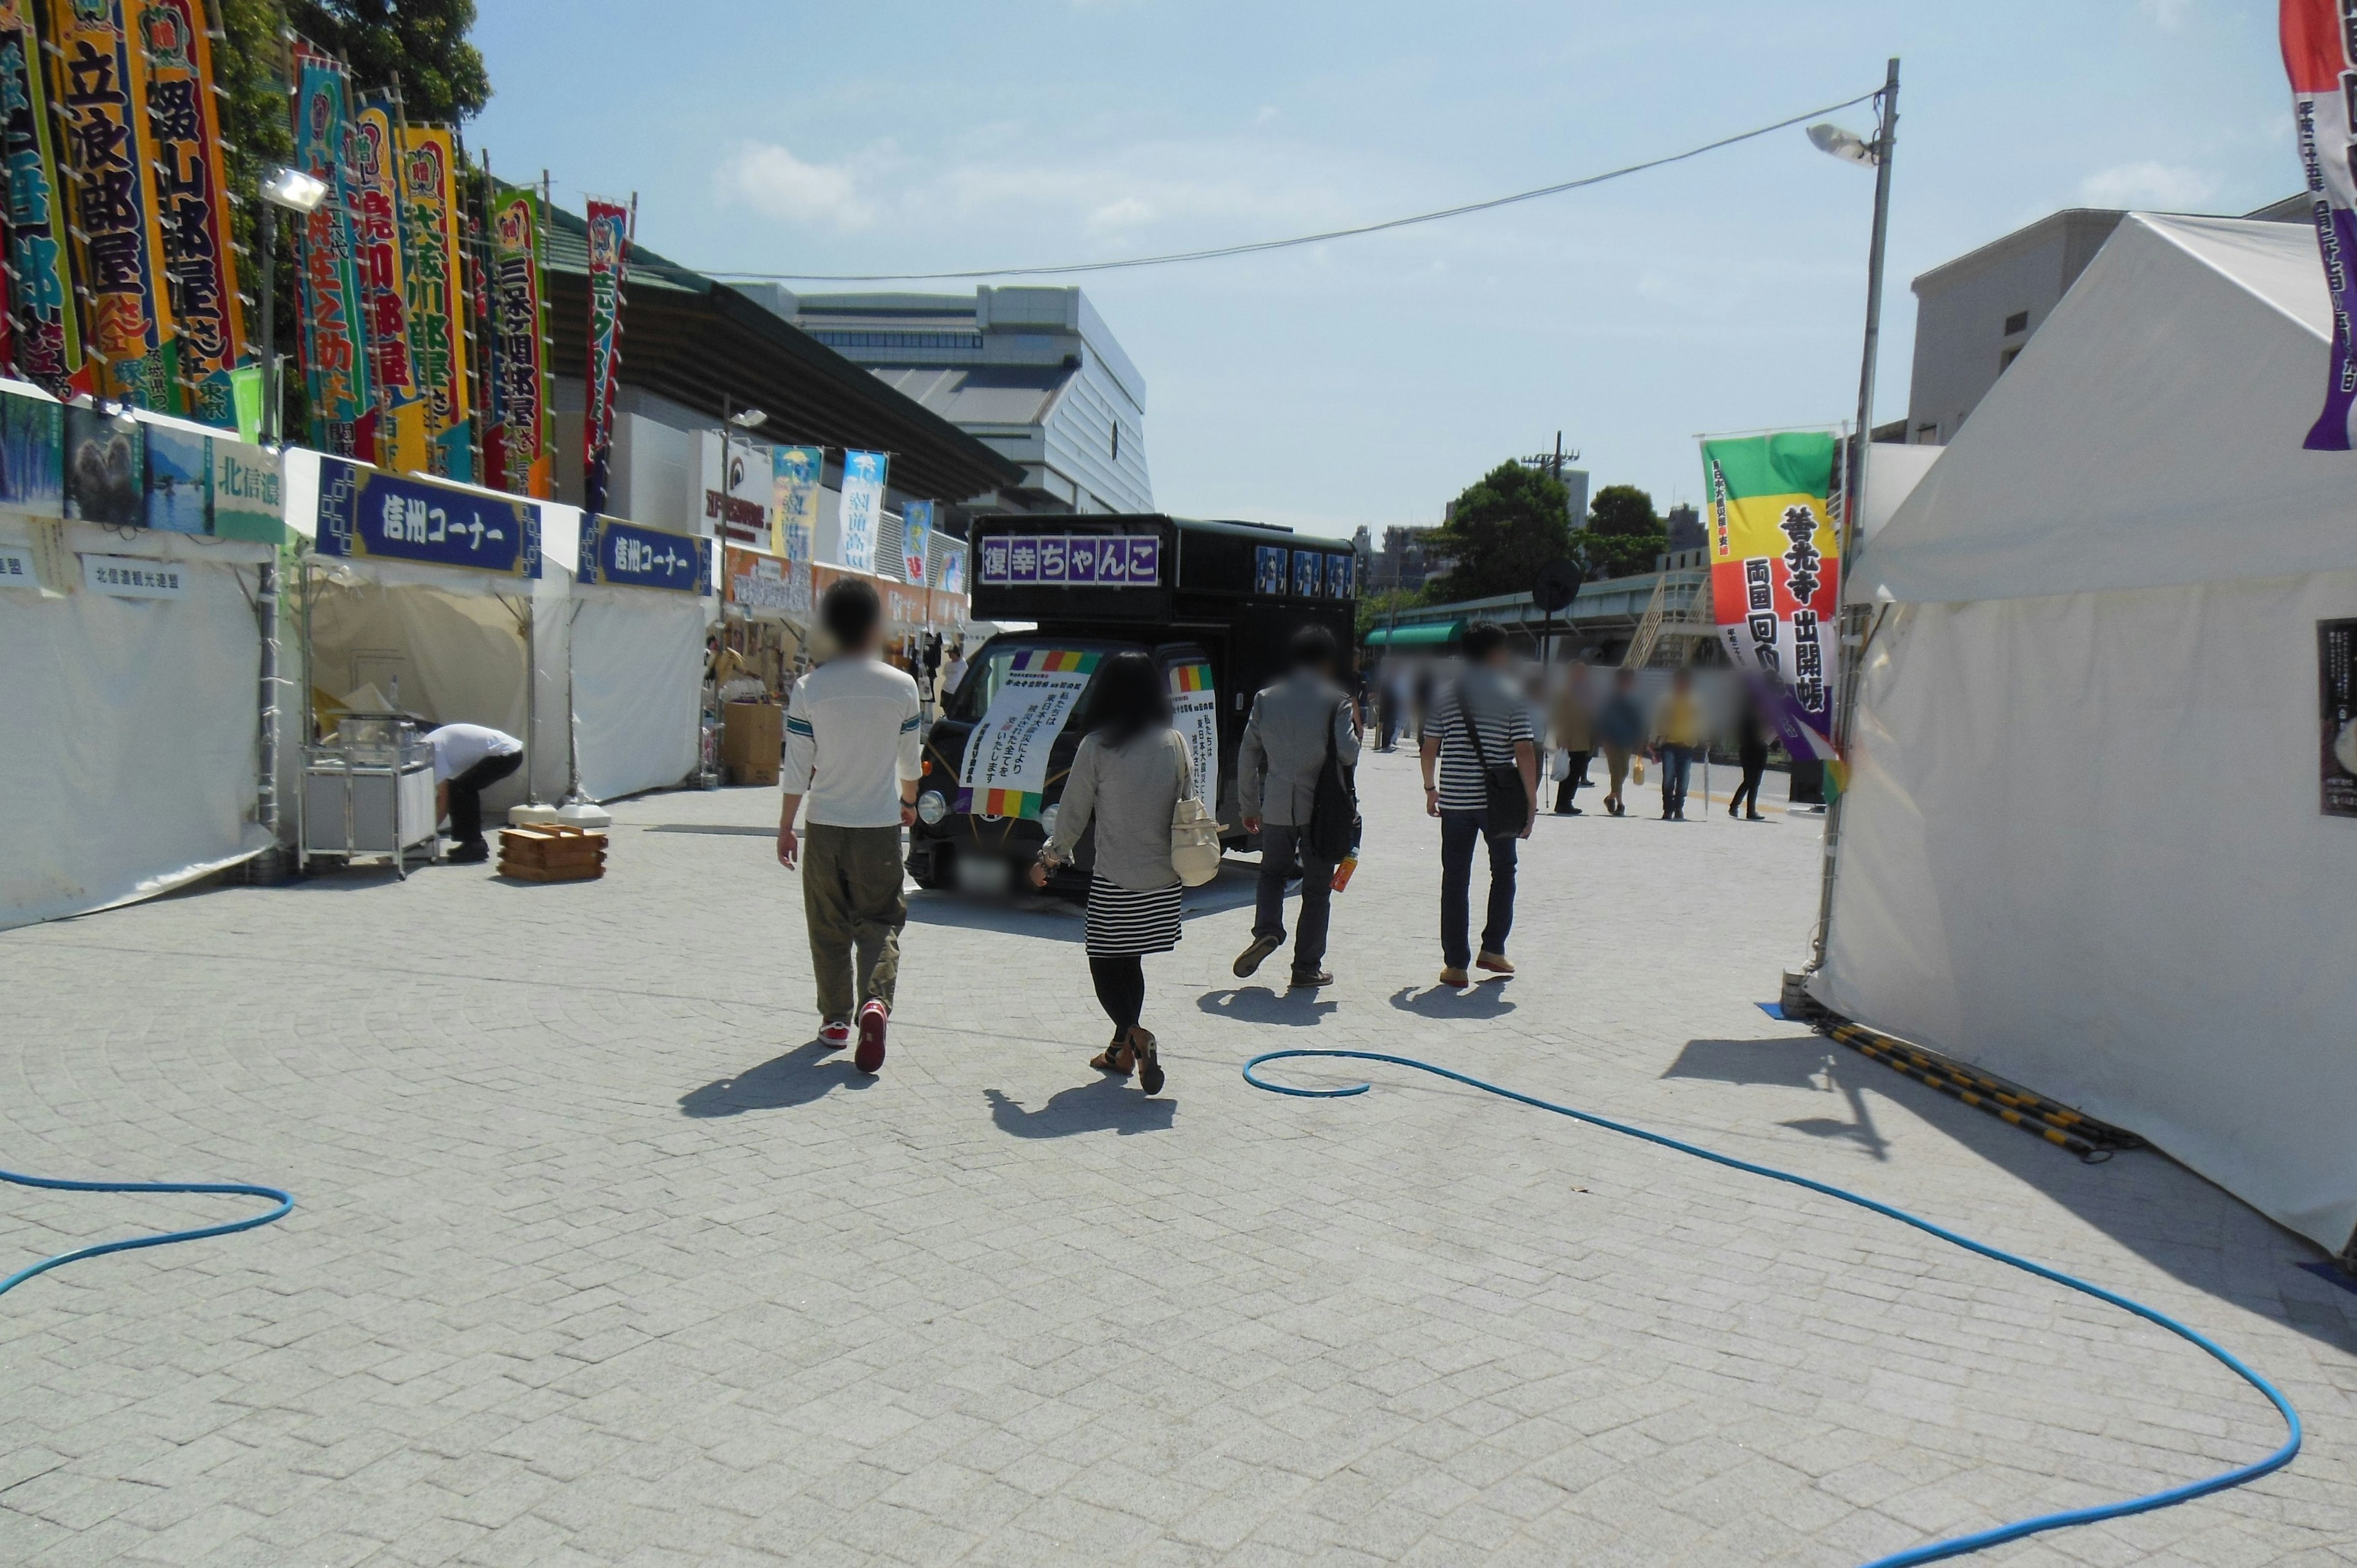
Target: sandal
(1149, 1062)
(1116, 1057)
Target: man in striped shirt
(1481, 703)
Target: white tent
(2082, 844)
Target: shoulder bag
(1333, 809)
(1508, 801)
(1195, 847)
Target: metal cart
(368, 792)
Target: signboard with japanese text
(249, 493)
(44, 327)
(373, 172)
(2336, 670)
(192, 206)
(608, 242)
(1775, 574)
(1195, 713)
(98, 81)
(762, 584)
(1072, 560)
(335, 358)
(430, 271)
(915, 540)
(862, 509)
(733, 489)
(638, 557)
(134, 577)
(796, 476)
(517, 448)
(1005, 771)
(367, 514)
(16, 569)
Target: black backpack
(1333, 810)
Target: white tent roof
(2149, 435)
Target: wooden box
(553, 852)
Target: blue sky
(1369, 381)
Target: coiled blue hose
(286, 1204)
(1937, 1550)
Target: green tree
(419, 46)
(1501, 531)
(1623, 533)
(1379, 606)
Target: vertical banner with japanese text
(192, 206)
(796, 474)
(44, 329)
(379, 253)
(517, 448)
(862, 511)
(431, 272)
(609, 244)
(916, 540)
(335, 358)
(2319, 54)
(98, 77)
(1775, 574)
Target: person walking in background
(1477, 722)
(1677, 735)
(1294, 724)
(1388, 706)
(1621, 727)
(851, 748)
(1751, 752)
(1128, 777)
(1573, 736)
(468, 760)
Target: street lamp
(1835, 142)
(288, 190)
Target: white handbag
(1195, 850)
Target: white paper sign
(1196, 715)
(16, 569)
(1005, 773)
(134, 578)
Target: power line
(1217, 252)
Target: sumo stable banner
(608, 243)
(430, 271)
(2317, 50)
(372, 166)
(44, 329)
(519, 449)
(1005, 773)
(1775, 574)
(335, 358)
(192, 206)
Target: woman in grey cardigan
(1128, 778)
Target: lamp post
(290, 190)
(1850, 620)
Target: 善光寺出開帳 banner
(1775, 574)
(45, 330)
(431, 273)
(97, 81)
(1005, 773)
(2319, 52)
(609, 240)
(517, 448)
(335, 354)
(192, 206)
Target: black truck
(1215, 603)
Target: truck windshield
(986, 672)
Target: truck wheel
(940, 873)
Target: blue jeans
(1460, 834)
(1677, 767)
(1279, 844)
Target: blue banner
(636, 557)
(367, 514)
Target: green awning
(1431, 634)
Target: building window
(1927, 435)
(2018, 322)
(2005, 360)
(969, 342)
(1116, 443)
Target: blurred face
(1682, 681)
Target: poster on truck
(1195, 713)
(1005, 773)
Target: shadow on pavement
(1041, 915)
(801, 1076)
(1110, 1104)
(1486, 1000)
(1301, 1009)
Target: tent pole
(265, 609)
(530, 696)
(1851, 619)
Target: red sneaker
(870, 1054)
(834, 1037)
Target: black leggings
(1121, 987)
(1749, 788)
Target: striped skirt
(1124, 921)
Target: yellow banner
(431, 271)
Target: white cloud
(2167, 187)
(1116, 216)
(773, 182)
(2168, 14)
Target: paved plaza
(598, 1259)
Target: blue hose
(1937, 1550)
(286, 1203)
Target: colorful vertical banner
(517, 447)
(192, 206)
(1775, 574)
(44, 329)
(915, 540)
(430, 271)
(797, 474)
(373, 179)
(862, 510)
(99, 76)
(2320, 54)
(609, 244)
(335, 358)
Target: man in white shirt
(468, 760)
(851, 748)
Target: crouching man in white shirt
(468, 760)
(851, 748)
